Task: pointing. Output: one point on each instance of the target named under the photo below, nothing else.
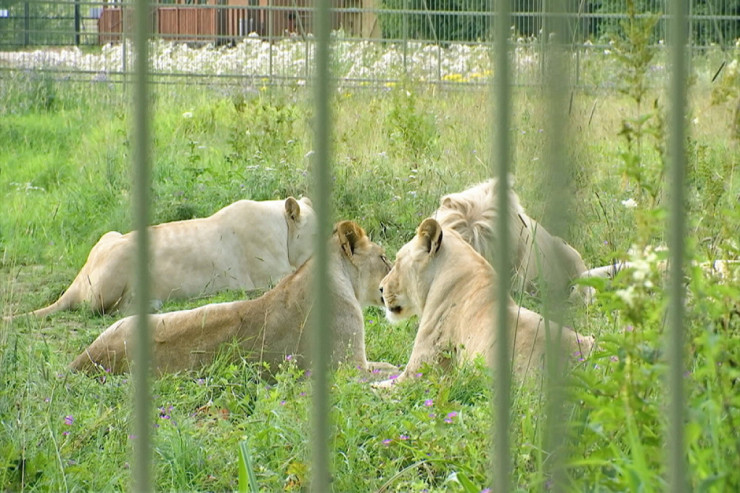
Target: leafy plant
(643, 159)
(410, 127)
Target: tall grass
(64, 180)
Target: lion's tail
(70, 298)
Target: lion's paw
(383, 384)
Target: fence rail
(91, 23)
(375, 43)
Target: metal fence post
(677, 92)
(558, 206)
(321, 315)
(26, 24)
(77, 23)
(141, 165)
(501, 155)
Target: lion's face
(404, 288)
(374, 266)
(369, 261)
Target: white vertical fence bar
(501, 112)
(141, 166)
(320, 433)
(677, 92)
(558, 201)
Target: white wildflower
(627, 295)
(629, 203)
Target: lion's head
(366, 260)
(404, 286)
(474, 214)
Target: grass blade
(247, 479)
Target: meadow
(64, 180)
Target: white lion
(245, 245)
(537, 256)
(440, 278)
(266, 329)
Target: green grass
(64, 180)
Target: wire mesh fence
(376, 42)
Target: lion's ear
(446, 202)
(292, 209)
(430, 233)
(349, 234)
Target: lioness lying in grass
(245, 245)
(266, 329)
(440, 278)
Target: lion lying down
(442, 279)
(267, 329)
(245, 245)
(537, 256)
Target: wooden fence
(270, 19)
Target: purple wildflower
(428, 402)
(403, 437)
(68, 420)
(387, 441)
